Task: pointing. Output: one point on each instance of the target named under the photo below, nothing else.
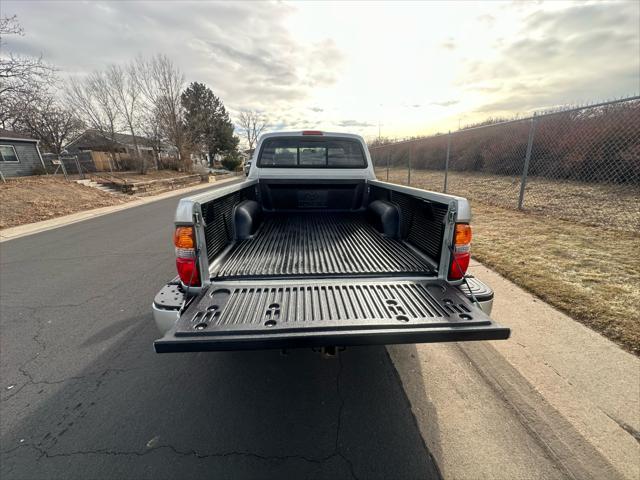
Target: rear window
(300, 152)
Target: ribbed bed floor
(319, 244)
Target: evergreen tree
(207, 121)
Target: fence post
(80, 174)
(527, 159)
(388, 157)
(446, 162)
(64, 169)
(410, 159)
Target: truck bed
(313, 263)
(320, 244)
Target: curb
(570, 390)
(37, 227)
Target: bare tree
(92, 100)
(10, 26)
(143, 96)
(52, 123)
(252, 125)
(161, 82)
(151, 128)
(23, 80)
(126, 95)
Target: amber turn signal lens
(183, 237)
(463, 234)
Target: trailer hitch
(329, 352)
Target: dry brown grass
(589, 272)
(610, 206)
(32, 199)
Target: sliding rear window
(302, 152)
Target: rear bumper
(482, 293)
(167, 304)
(164, 318)
(172, 344)
(284, 314)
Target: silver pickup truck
(311, 250)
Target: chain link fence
(581, 165)
(77, 164)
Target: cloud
(486, 18)
(262, 62)
(542, 93)
(354, 123)
(582, 52)
(449, 44)
(488, 88)
(243, 51)
(584, 17)
(294, 63)
(446, 103)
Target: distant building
(19, 154)
(103, 148)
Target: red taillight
(461, 252)
(186, 258)
(459, 265)
(188, 271)
(312, 132)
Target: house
(19, 154)
(122, 148)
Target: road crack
(627, 428)
(339, 425)
(98, 377)
(43, 453)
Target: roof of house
(9, 135)
(127, 139)
(92, 137)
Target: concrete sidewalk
(31, 228)
(556, 400)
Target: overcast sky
(415, 68)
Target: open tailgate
(315, 313)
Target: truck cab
(311, 250)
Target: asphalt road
(83, 395)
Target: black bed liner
(295, 244)
(287, 314)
